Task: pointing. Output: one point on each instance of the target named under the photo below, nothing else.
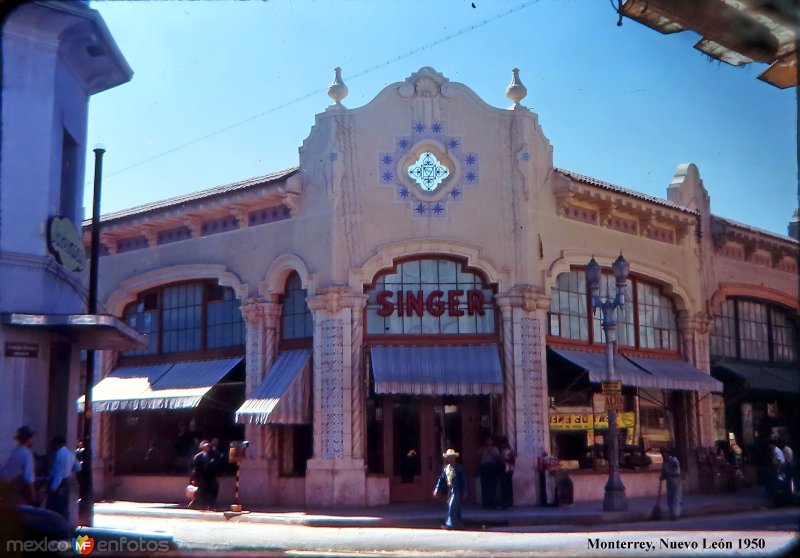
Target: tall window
(296, 319)
(68, 195)
(646, 321)
(752, 330)
(186, 317)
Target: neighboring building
(55, 56)
(417, 283)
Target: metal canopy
(444, 370)
(284, 397)
(85, 331)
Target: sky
(224, 90)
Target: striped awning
(760, 377)
(642, 372)
(676, 374)
(438, 370)
(594, 364)
(175, 385)
(284, 397)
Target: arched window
(646, 321)
(753, 330)
(296, 322)
(184, 317)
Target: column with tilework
(524, 311)
(259, 471)
(335, 476)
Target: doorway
(418, 429)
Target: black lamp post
(86, 506)
(614, 499)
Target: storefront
(414, 285)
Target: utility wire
(350, 77)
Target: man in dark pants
(489, 467)
(203, 476)
(507, 476)
(217, 464)
(452, 480)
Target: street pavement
(429, 515)
(738, 524)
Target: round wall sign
(65, 243)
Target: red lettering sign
(387, 307)
(434, 304)
(414, 302)
(453, 302)
(409, 303)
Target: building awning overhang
(676, 374)
(178, 385)
(85, 331)
(642, 372)
(437, 370)
(758, 377)
(284, 397)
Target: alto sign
(65, 243)
(435, 303)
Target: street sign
(611, 387)
(21, 350)
(614, 402)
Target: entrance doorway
(418, 429)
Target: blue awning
(160, 386)
(442, 370)
(594, 363)
(676, 374)
(284, 397)
(642, 372)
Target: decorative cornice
(657, 221)
(528, 297)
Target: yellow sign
(587, 421)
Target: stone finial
(337, 90)
(516, 91)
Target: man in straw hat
(452, 479)
(18, 470)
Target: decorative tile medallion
(427, 171)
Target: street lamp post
(614, 499)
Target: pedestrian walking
(509, 457)
(63, 467)
(18, 470)
(202, 477)
(490, 464)
(452, 481)
(216, 465)
(671, 473)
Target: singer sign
(430, 296)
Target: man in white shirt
(18, 470)
(63, 467)
(788, 454)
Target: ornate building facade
(415, 284)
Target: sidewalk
(430, 515)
